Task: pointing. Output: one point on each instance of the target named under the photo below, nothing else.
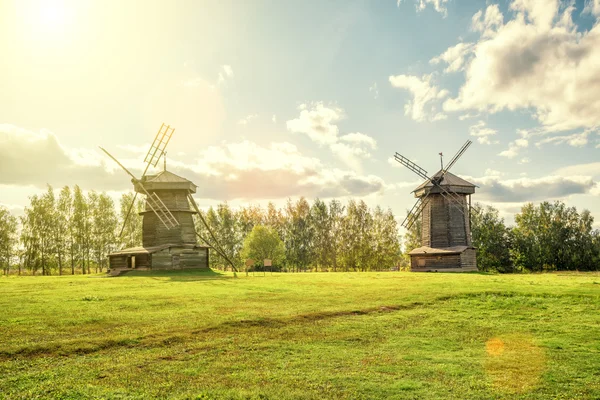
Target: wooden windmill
(444, 211)
(169, 237)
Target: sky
(273, 100)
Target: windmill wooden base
(449, 259)
(165, 257)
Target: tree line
(314, 237)
(72, 232)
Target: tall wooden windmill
(444, 211)
(169, 237)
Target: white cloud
(467, 116)
(274, 118)
(454, 56)
(359, 138)
(493, 188)
(493, 172)
(248, 170)
(487, 23)
(589, 169)
(225, 74)
(515, 147)
(535, 61)
(243, 170)
(574, 140)
(246, 120)
(525, 160)
(482, 133)
(374, 90)
(592, 7)
(319, 123)
(438, 5)
(54, 164)
(424, 94)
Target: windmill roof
(449, 180)
(166, 177)
(166, 180)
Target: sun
(52, 14)
(45, 21)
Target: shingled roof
(451, 181)
(166, 180)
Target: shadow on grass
(184, 275)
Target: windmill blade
(154, 202)
(157, 149)
(215, 245)
(456, 157)
(127, 216)
(411, 165)
(160, 209)
(120, 165)
(415, 211)
(453, 198)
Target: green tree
(298, 234)
(322, 238)
(336, 215)
(8, 239)
(263, 242)
(491, 238)
(553, 236)
(386, 239)
(104, 226)
(80, 226)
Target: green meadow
(389, 335)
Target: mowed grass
(395, 335)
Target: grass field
(307, 336)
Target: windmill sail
(155, 203)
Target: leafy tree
(263, 242)
(336, 214)
(275, 219)
(104, 229)
(386, 239)
(80, 226)
(8, 238)
(63, 234)
(412, 238)
(322, 239)
(553, 236)
(298, 234)
(491, 238)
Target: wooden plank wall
(436, 262)
(468, 259)
(426, 226)
(439, 222)
(155, 233)
(457, 230)
(118, 261)
(177, 258)
(443, 225)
